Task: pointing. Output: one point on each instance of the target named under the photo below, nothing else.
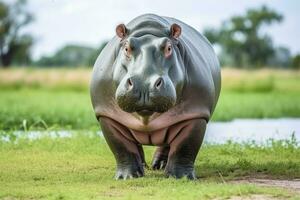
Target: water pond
(238, 130)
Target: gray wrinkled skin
(177, 90)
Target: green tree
(240, 37)
(73, 56)
(281, 58)
(69, 55)
(14, 46)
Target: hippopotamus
(156, 82)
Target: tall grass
(42, 109)
(77, 79)
(59, 98)
(263, 80)
(45, 78)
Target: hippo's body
(156, 84)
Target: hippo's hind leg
(184, 148)
(160, 157)
(125, 149)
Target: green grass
(82, 167)
(265, 80)
(32, 109)
(44, 109)
(34, 98)
(257, 105)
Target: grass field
(82, 167)
(39, 109)
(59, 98)
(77, 79)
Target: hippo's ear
(121, 31)
(175, 31)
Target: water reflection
(257, 130)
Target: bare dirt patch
(288, 184)
(253, 197)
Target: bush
(296, 62)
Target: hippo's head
(148, 72)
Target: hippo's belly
(158, 124)
(159, 137)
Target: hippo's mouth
(145, 112)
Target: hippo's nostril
(130, 83)
(158, 83)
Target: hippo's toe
(129, 172)
(160, 158)
(180, 172)
(159, 163)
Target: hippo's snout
(155, 94)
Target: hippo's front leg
(184, 149)
(126, 151)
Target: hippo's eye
(127, 50)
(168, 50)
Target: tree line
(239, 40)
(243, 44)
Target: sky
(89, 22)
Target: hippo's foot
(130, 166)
(160, 158)
(130, 171)
(180, 171)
